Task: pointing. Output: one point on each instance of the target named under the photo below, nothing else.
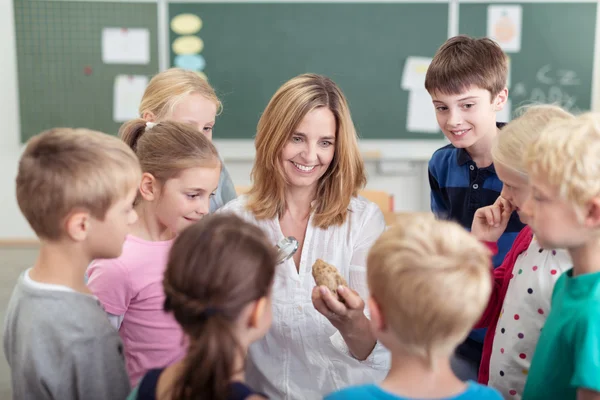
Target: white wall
(12, 224)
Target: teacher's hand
(348, 317)
(341, 315)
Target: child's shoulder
(444, 152)
(363, 392)
(476, 391)
(59, 315)
(137, 253)
(444, 159)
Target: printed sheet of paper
(505, 114)
(413, 76)
(125, 46)
(504, 26)
(421, 113)
(128, 92)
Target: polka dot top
(524, 311)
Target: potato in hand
(329, 276)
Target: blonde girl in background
(183, 96)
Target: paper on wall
(413, 76)
(125, 46)
(504, 26)
(128, 92)
(421, 113)
(504, 115)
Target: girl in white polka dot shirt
(520, 300)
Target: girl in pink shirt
(522, 287)
(181, 170)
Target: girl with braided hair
(218, 286)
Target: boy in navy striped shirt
(467, 84)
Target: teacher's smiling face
(310, 148)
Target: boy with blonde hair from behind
(76, 188)
(564, 204)
(429, 282)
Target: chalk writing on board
(562, 77)
(552, 88)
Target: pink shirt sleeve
(109, 282)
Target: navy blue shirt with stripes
(459, 188)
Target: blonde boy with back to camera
(564, 204)
(429, 282)
(76, 188)
(467, 84)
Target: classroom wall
(409, 186)
(406, 180)
(12, 224)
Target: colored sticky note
(193, 62)
(186, 24)
(187, 45)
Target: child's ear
(258, 311)
(77, 225)
(500, 100)
(149, 116)
(378, 323)
(592, 219)
(148, 187)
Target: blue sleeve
(438, 206)
(477, 391)
(362, 392)
(225, 192)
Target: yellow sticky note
(188, 45)
(186, 24)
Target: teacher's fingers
(319, 304)
(351, 298)
(331, 301)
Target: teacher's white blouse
(303, 356)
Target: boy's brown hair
(463, 62)
(64, 169)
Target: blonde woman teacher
(306, 176)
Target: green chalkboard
(555, 62)
(62, 79)
(250, 49)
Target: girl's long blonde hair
(345, 175)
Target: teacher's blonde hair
(345, 175)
